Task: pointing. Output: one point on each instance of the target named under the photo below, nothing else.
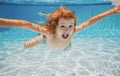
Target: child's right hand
(27, 45)
(31, 43)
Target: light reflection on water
(88, 57)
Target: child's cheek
(59, 31)
(71, 29)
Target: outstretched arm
(97, 18)
(32, 43)
(22, 24)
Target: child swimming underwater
(59, 30)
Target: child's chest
(56, 44)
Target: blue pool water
(95, 51)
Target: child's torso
(56, 44)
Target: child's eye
(62, 26)
(70, 26)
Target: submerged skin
(64, 31)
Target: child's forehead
(66, 20)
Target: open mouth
(65, 36)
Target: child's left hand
(117, 9)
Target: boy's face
(65, 28)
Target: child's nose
(66, 29)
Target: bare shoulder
(45, 31)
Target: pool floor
(88, 57)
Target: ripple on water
(91, 57)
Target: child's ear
(75, 24)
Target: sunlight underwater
(89, 56)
